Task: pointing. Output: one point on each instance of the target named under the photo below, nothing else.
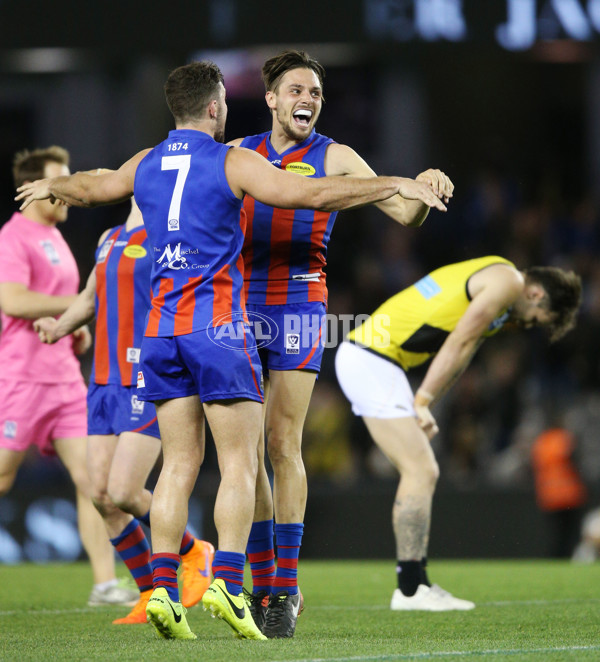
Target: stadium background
(503, 95)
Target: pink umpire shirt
(38, 257)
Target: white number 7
(181, 163)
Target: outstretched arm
(84, 189)
(248, 172)
(408, 207)
(79, 313)
(499, 287)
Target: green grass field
(526, 610)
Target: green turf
(526, 610)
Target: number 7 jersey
(192, 218)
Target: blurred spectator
(560, 491)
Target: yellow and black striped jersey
(410, 327)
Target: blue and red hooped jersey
(194, 229)
(285, 250)
(123, 264)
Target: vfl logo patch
(134, 251)
(137, 406)
(133, 355)
(140, 380)
(104, 251)
(292, 343)
(10, 429)
(300, 168)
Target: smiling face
(296, 104)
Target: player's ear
(535, 292)
(213, 109)
(270, 99)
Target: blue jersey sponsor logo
(427, 287)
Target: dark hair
(563, 289)
(190, 88)
(275, 67)
(29, 166)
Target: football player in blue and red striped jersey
(285, 255)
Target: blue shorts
(217, 364)
(113, 409)
(289, 336)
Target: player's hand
(44, 327)
(82, 340)
(411, 189)
(426, 421)
(30, 191)
(439, 182)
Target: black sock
(409, 576)
(424, 577)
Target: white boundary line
(431, 656)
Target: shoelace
(254, 600)
(276, 608)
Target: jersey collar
(273, 154)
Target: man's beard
(220, 136)
(290, 131)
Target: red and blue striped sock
(261, 556)
(164, 573)
(186, 542)
(229, 566)
(133, 548)
(289, 539)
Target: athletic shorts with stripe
(217, 363)
(113, 409)
(290, 336)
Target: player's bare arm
(85, 189)
(77, 315)
(248, 172)
(17, 300)
(408, 207)
(493, 290)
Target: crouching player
(447, 314)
